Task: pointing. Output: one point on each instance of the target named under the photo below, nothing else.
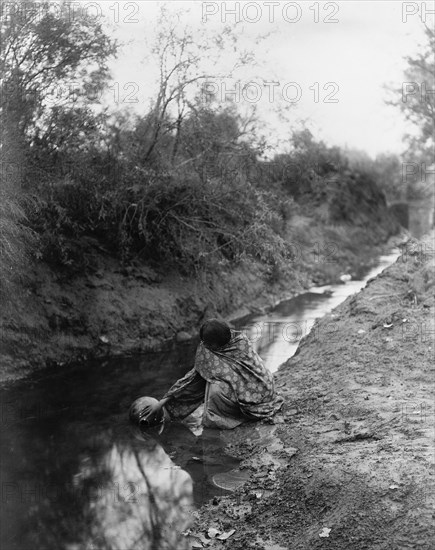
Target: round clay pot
(137, 407)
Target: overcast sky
(352, 59)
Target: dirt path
(350, 462)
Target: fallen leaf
(226, 535)
(386, 325)
(290, 451)
(212, 532)
(325, 532)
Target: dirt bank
(114, 310)
(350, 462)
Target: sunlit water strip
(276, 335)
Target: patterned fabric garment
(239, 366)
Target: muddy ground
(349, 464)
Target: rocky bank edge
(350, 463)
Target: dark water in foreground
(74, 475)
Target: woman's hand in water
(153, 409)
(150, 411)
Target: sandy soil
(350, 462)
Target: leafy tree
(310, 168)
(44, 54)
(417, 103)
(417, 98)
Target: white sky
(359, 54)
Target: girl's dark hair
(215, 333)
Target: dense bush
(204, 213)
(185, 222)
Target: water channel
(75, 475)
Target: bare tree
(180, 57)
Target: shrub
(179, 220)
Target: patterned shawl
(242, 369)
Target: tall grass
(15, 237)
(16, 241)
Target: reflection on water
(277, 334)
(75, 475)
(141, 500)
